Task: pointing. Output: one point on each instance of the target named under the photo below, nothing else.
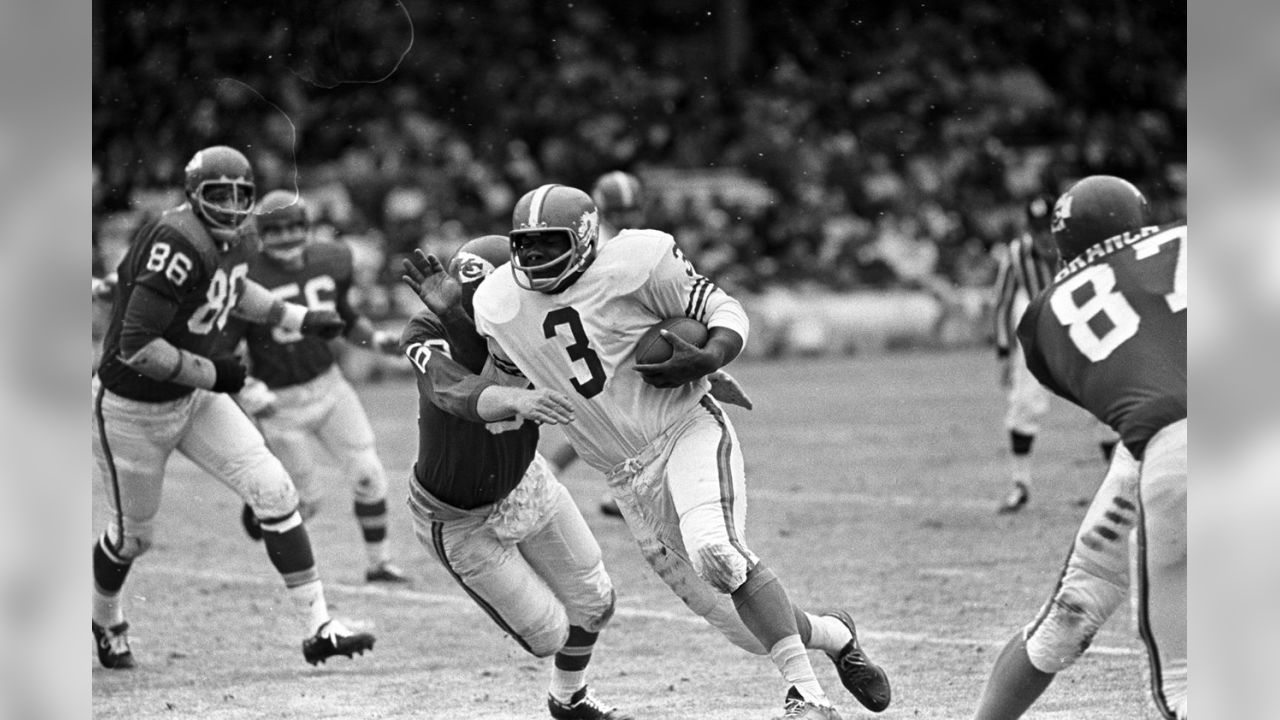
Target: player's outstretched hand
(687, 363)
(546, 407)
(327, 324)
(726, 389)
(426, 276)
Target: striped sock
(569, 674)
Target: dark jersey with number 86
(1110, 333)
(175, 257)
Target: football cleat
(386, 572)
(249, 521)
(609, 506)
(1016, 500)
(113, 646)
(797, 708)
(335, 639)
(583, 707)
(865, 680)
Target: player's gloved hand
(726, 389)
(387, 343)
(546, 407)
(327, 324)
(257, 399)
(687, 363)
(427, 277)
(229, 374)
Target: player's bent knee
(721, 566)
(269, 491)
(136, 540)
(370, 479)
(1067, 630)
(546, 640)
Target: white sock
(309, 598)
(379, 552)
(564, 683)
(793, 661)
(107, 611)
(1020, 469)
(829, 634)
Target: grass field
(872, 484)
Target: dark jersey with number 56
(281, 357)
(1110, 333)
(174, 256)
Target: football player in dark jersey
(297, 393)
(487, 504)
(1110, 335)
(161, 388)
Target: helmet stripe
(536, 203)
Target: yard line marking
(686, 618)
(822, 498)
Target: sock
(1020, 456)
(828, 635)
(372, 517)
(569, 673)
(109, 573)
(1014, 683)
(289, 548)
(793, 662)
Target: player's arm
(360, 331)
(675, 288)
(258, 305)
(144, 349)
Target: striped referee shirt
(1023, 268)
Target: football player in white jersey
(567, 314)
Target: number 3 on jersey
(579, 349)
(1107, 302)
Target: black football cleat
(1017, 499)
(609, 506)
(334, 639)
(113, 646)
(386, 572)
(865, 680)
(252, 527)
(583, 707)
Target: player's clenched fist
(229, 374)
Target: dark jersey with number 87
(1110, 333)
(175, 257)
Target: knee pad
(1066, 627)
(722, 566)
(133, 542)
(368, 476)
(598, 616)
(269, 490)
(545, 641)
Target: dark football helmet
(620, 198)
(553, 212)
(473, 262)
(1094, 209)
(284, 227)
(219, 184)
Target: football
(653, 348)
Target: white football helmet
(552, 212)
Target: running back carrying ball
(653, 348)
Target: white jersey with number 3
(580, 341)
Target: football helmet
(219, 184)
(620, 197)
(1094, 209)
(473, 262)
(553, 216)
(284, 226)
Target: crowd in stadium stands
(897, 144)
